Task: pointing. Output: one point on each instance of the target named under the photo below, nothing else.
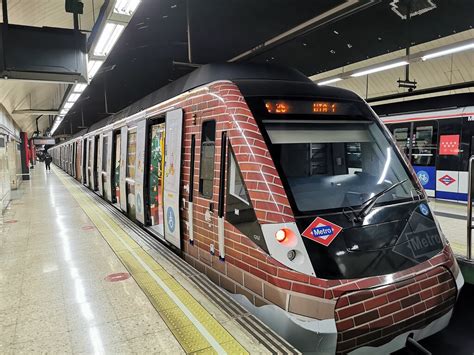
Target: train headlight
(281, 235)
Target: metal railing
(469, 209)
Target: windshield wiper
(369, 204)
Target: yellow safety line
(193, 326)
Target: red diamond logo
(322, 231)
(446, 180)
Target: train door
(98, 166)
(423, 153)
(106, 166)
(130, 172)
(115, 170)
(73, 159)
(84, 158)
(95, 169)
(79, 160)
(123, 168)
(155, 161)
(140, 171)
(90, 162)
(172, 174)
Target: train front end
(363, 231)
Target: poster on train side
(172, 171)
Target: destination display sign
(309, 107)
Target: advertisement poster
(172, 171)
(139, 171)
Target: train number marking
(322, 231)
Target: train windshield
(337, 164)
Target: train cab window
(236, 183)
(238, 210)
(424, 148)
(353, 161)
(208, 147)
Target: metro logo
(446, 180)
(322, 231)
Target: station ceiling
(17, 95)
(144, 59)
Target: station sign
(44, 141)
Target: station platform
(77, 277)
(452, 218)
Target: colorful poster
(449, 144)
(139, 171)
(172, 171)
(155, 182)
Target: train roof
(252, 80)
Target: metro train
(292, 197)
(438, 143)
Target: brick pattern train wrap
(292, 197)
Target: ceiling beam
(343, 10)
(34, 112)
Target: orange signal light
(280, 235)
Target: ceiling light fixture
(64, 111)
(110, 34)
(381, 68)
(93, 67)
(126, 7)
(79, 88)
(68, 105)
(329, 81)
(73, 97)
(448, 51)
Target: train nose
(377, 316)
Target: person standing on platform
(47, 160)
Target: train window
(238, 210)
(357, 162)
(424, 149)
(354, 157)
(131, 154)
(105, 147)
(208, 147)
(402, 139)
(236, 183)
(130, 172)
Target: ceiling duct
(403, 8)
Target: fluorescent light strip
(79, 88)
(68, 105)
(448, 51)
(73, 97)
(110, 35)
(329, 81)
(378, 69)
(126, 7)
(64, 111)
(93, 67)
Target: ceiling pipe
(334, 14)
(5, 12)
(431, 90)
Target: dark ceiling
(142, 60)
